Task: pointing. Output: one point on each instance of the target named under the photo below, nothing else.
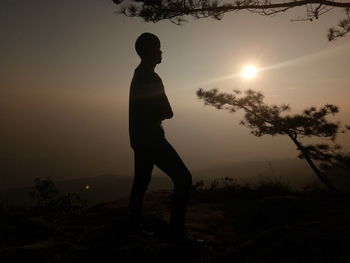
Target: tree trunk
(318, 173)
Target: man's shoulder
(145, 76)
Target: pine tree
(263, 119)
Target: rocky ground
(242, 225)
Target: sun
(249, 72)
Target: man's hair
(146, 42)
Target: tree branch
(173, 10)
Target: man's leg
(142, 177)
(167, 159)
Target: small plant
(48, 200)
(200, 186)
(4, 205)
(227, 190)
(272, 186)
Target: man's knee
(184, 181)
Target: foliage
(175, 10)
(49, 201)
(11, 210)
(329, 156)
(228, 189)
(263, 119)
(342, 29)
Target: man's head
(148, 48)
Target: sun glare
(249, 72)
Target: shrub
(48, 201)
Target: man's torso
(148, 106)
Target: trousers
(164, 156)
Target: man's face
(152, 54)
(156, 54)
(159, 55)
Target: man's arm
(156, 103)
(167, 112)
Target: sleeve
(153, 101)
(165, 110)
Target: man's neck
(147, 64)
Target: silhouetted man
(148, 107)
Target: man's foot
(141, 231)
(184, 240)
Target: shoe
(142, 232)
(145, 233)
(184, 240)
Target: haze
(66, 68)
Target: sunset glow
(64, 96)
(249, 72)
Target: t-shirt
(148, 107)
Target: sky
(66, 68)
